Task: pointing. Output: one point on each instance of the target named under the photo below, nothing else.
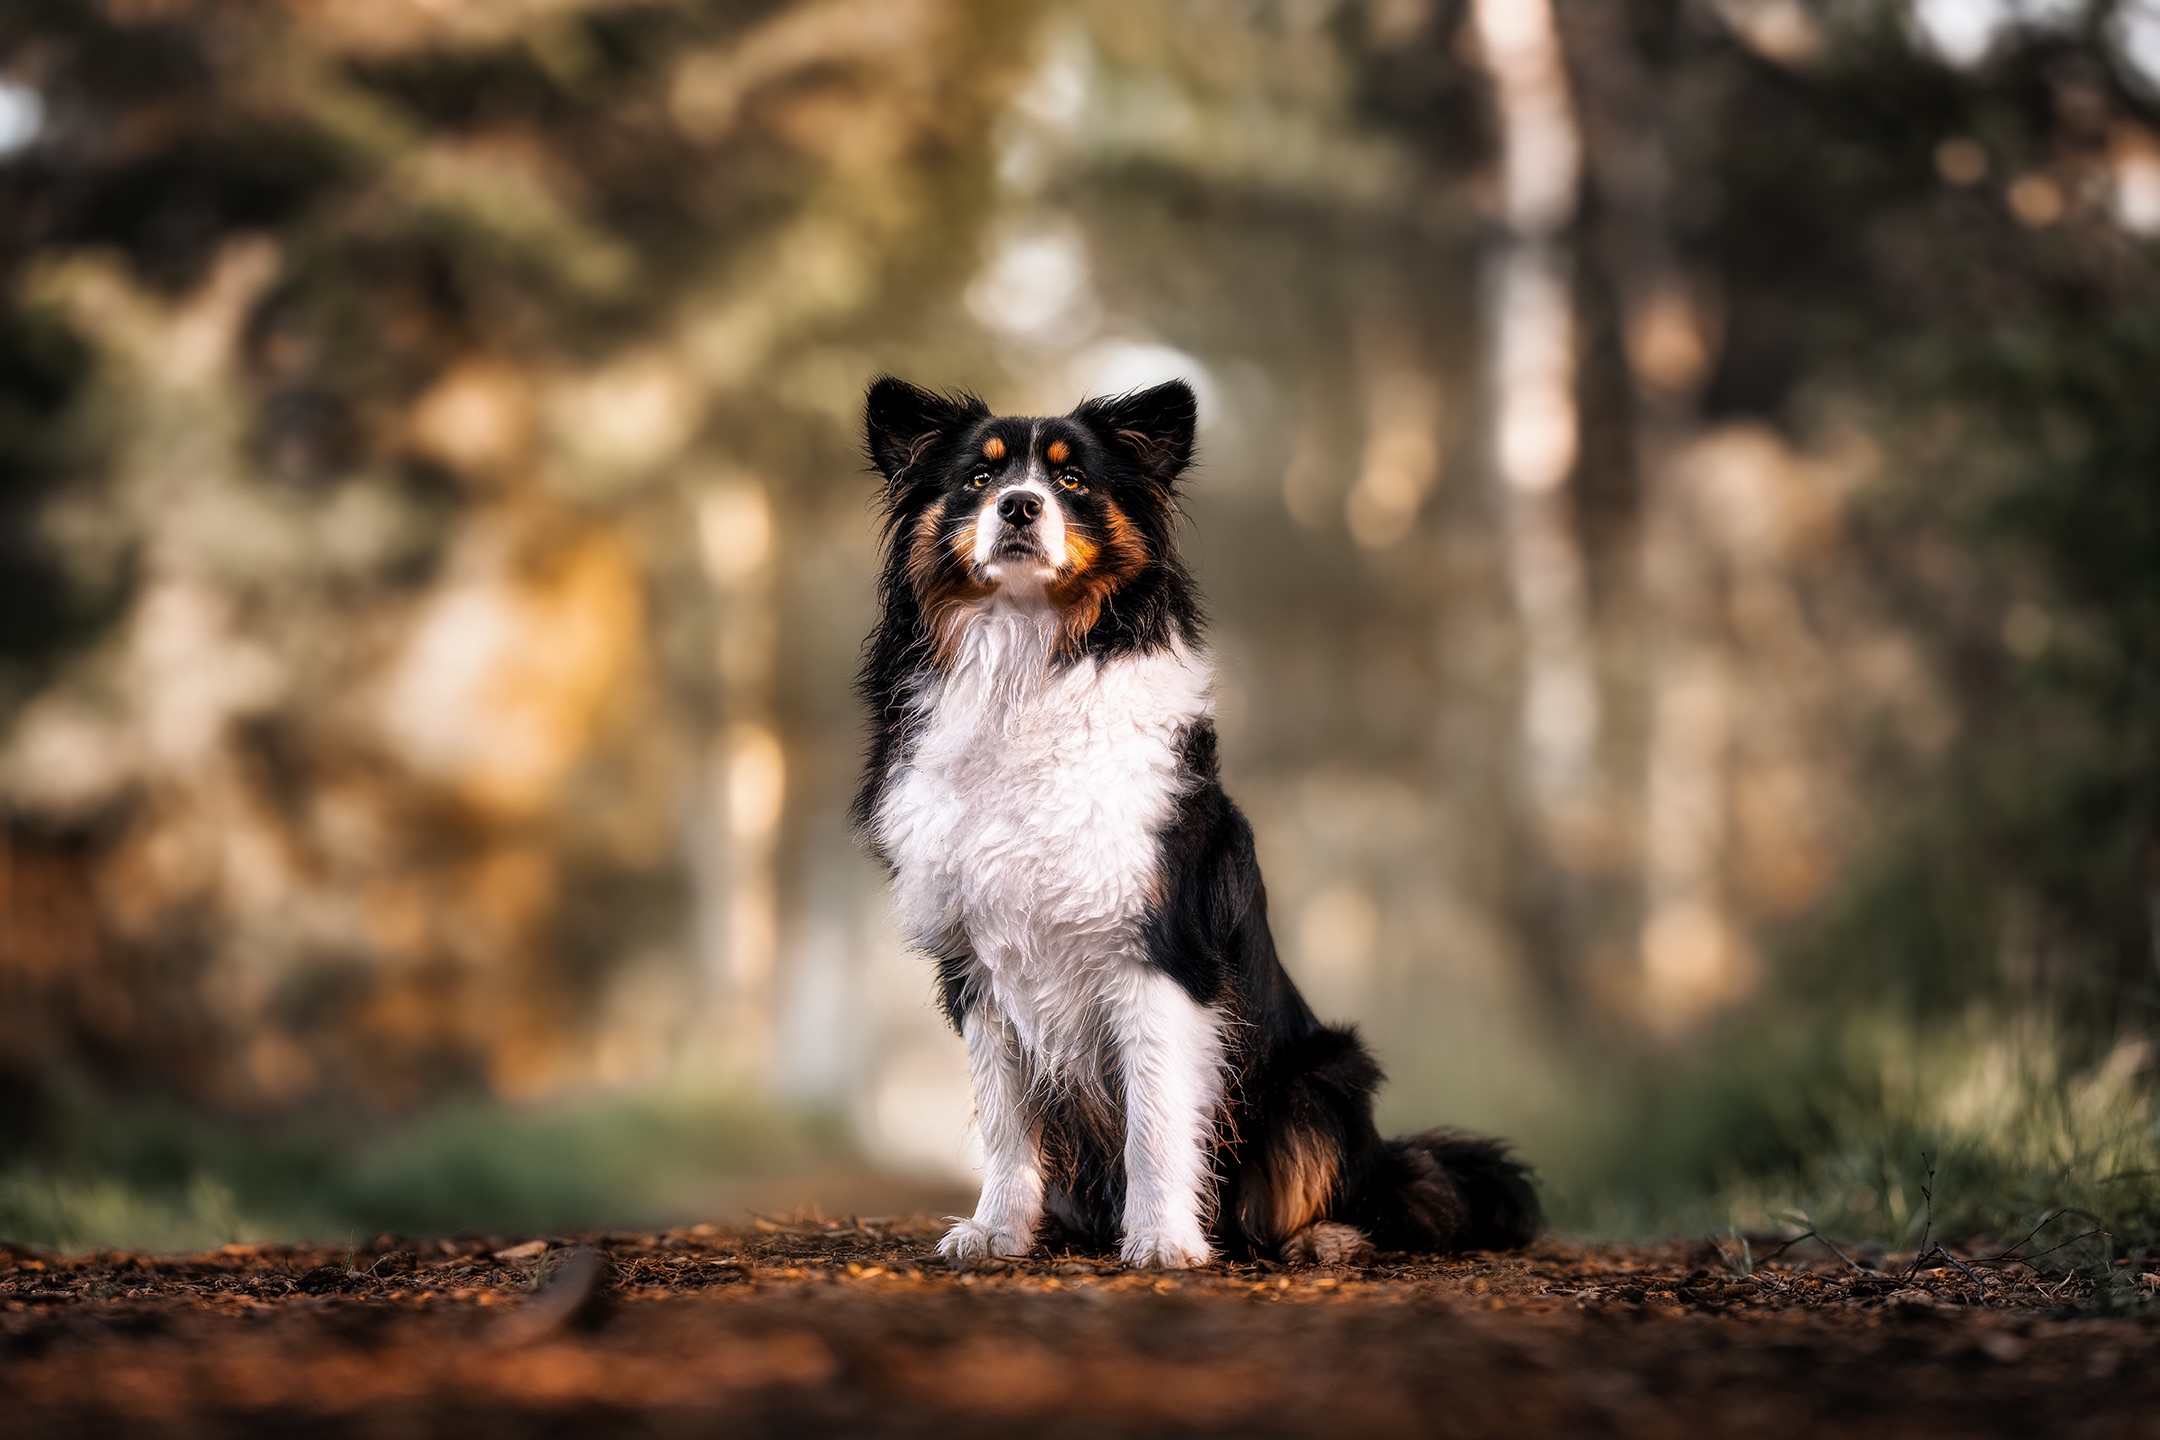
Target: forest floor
(855, 1328)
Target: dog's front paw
(971, 1241)
(1164, 1249)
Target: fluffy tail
(1449, 1191)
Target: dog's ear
(1154, 426)
(903, 422)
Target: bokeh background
(1680, 508)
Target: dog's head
(1076, 513)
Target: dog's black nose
(1019, 507)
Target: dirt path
(853, 1328)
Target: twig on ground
(1773, 1254)
(2028, 1259)
(1961, 1267)
(1929, 1245)
(1818, 1237)
(1927, 1233)
(2011, 1253)
(1825, 1243)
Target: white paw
(1164, 1249)
(971, 1241)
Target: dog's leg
(1170, 1050)
(1011, 1203)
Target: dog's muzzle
(1019, 537)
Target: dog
(1042, 785)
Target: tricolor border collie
(1042, 784)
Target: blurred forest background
(1680, 506)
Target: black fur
(1300, 1082)
(1299, 1145)
(913, 435)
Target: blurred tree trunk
(1531, 339)
(1686, 956)
(743, 791)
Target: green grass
(150, 1175)
(1775, 1129)
(1839, 1131)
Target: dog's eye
(982, 478)
(1071, 480)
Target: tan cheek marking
(1124, 550)
(922, 553)
(944, 579)
(993, 448)
(1093, 573)
(1058, 452)
(1125, 540)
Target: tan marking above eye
(1058, 453)
(993, 448)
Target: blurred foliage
(1929, 256)
(328, 328)
(1999, 361)
(340, 344)
(137, 1172)
(1838, 1129)
(42, 364)
(362, 368)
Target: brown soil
(854, 1328)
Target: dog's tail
(1442, 1190)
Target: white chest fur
(1025, 818)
